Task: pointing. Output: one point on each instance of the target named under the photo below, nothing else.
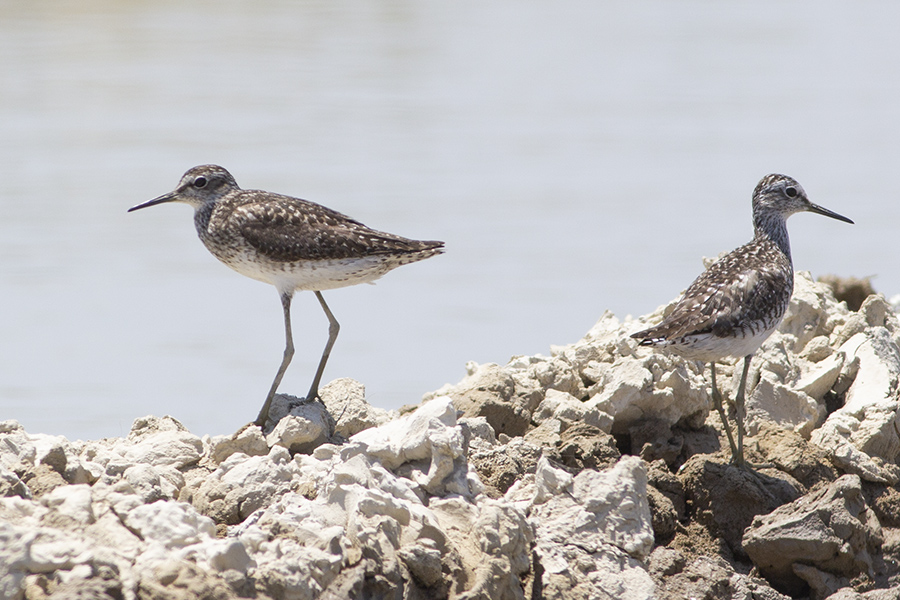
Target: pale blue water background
(575, 157)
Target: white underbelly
(313, 275)
(710, 348)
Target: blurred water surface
(574, 156)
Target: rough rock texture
(596, 472)
(724, 499)
(345, 399)
(831, 529)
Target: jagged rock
(725, 499)
(504, 540)
(831, 529)
(819, 378)
(356, 534)
(297, 424)
(705, 577)
(592, 531)
(866, 430)
(655, 386)
(242, 485)
(821, 584)
(52, 452)
(790, 408)
(345, 400)
(879, 594)
(423, 561)
(791, 453)
(499, 468)
(478, 433)
(179, 580)
(583, 446)
(300, 433)
(813, 312)
(15, 445)
(663, 515)
(525, 496)
(42, 479)
(12, 485)
(489, 391)
(565, 407)
(73, 501)
(249, 440)
(425, 446)
(80, 583)
(159, 442)
(537, 375)
(154, 483)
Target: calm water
(575, 157)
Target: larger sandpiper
(290, 243)
(733, 306)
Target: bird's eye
(200, 182)
(791, 191)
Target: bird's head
(782, 196)
(200, 185)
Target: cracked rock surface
(595, 472)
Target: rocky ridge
(595, 472)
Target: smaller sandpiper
(733, 306)
(290, 243)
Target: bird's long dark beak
(170, 197)
(816, 209)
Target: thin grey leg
(740, 410)
(333, 328)
(717, 403)
(288, 355)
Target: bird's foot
(312, 396)
(740, 462)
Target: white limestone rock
(601, 344)
(492, 540)
(812, 312)
(16, 447)
(539, 374)
(305, 428)
(593, 531)
(788, 407)
(154, 441)
(819, 378)
(652, 386)
(368, 520)
(602, 507)
(345, 400)
(423, 561)
(242, 485)
(74, 501)
(161, 441)
(831, 529)
(495, 393)
(249, 440)
(154, 482)
(566, 407)
(12, 485)
(400, 506)
(426, 446)
(478, 432)
(170, 524)
(550, 481)
(866, 429)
